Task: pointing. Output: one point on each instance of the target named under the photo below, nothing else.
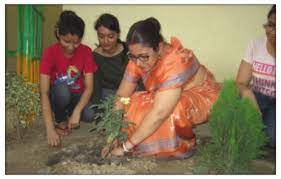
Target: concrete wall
(11, 35)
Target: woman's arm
(197, 79)
(52, 136)
(85, 97)
(242, 81)
(125, 89)
(96, 95)
(164, 104)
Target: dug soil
(80, 154)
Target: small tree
(237, 133)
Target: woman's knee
(88, 114)
(61, 95)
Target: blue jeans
(267, 106)
(63, 103)
(105, 92)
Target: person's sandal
(76, 127)
(62, 129)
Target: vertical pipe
(26, 43)
(32, 45)
(35, 22)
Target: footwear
(61, 129)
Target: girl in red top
(66, 78)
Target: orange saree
(174, 138)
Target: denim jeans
(107, 92)
(267, 106)
(63, 103)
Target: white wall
(218, 34)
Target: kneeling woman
(179, 94)
(66, 78)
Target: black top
(110, 72)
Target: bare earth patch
(80, 154)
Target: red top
(58, 67)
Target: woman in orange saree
(179, 94)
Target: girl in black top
(110, 73)
(111, 57)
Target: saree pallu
(174, 139)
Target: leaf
(110, 138)
(21, 96)
(111, 120)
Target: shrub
(22, 98)
(237, 133)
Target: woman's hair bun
(155, 22)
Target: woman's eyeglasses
(270, 26)
(142, 58)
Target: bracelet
(124, 100)
(125, 148)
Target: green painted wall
(51, 14)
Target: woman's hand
(118, 151)
(73, 122)
(248, 93)
(118, 105)
(106, 150)
(53, 138)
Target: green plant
(111, 121)
(237, 133)
(23, 98)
